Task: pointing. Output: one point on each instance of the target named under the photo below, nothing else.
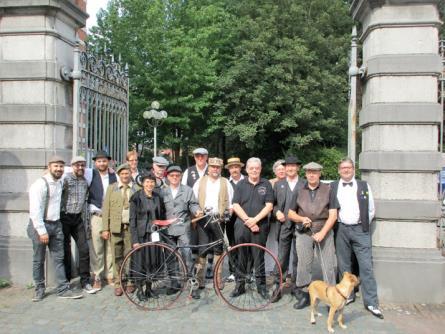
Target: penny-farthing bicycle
(159, 273)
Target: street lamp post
(154, 118)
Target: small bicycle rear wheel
(158, 274)
(258, 277)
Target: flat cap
(235, 161)
(77, 159)
(174, 168)
(102, 154)
(292, 160)
(312, 166)
(55, 159)
(216, 162)
(200, 150)
(160, 161)
(122, 167)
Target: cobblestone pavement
(104, 313)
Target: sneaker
(70, 294)
(39, 294)
(231, 278)
(97, 285)
(375, 311)
(87, 288)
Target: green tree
(249, 77)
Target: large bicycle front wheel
(158, 274)
(255, 285)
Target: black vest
(363, 201)
(96, 190)
(193, 175)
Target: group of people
(296, 214)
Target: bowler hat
(102, 154)
(292, 160)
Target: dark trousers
(72, 226)
(55, 246)
(249, 255)
(209, 232)
(285, 242)
(352, 238)
(229, 228)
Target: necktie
(125, 194)
(347, 184)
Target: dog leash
(323, 268)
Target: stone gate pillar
(400, 158)
(37, 38)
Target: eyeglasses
(131, 160)
(174, 175)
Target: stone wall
(36, 39)
(400, 158)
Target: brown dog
(334, 296)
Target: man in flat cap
(180, 202)
(284, 191)
(192, 174)
(116, 220)
(314, 210)
(45, 229)
(159, 166)
(99, 179)
(214, 193)
(234, 165)
(74, 196)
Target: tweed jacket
(113, 206)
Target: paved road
(104, 313)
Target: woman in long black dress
(145, 206)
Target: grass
(4, 283)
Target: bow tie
(347, 184)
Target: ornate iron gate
(100, 108)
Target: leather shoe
(263, 293)
(350, 299)
(118, 292)
(149, 293)
(238, 291)
(276, 296)
(141, 295)
(130, 289)
(302, 302)
(196, 294)
(375, 311)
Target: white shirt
(235, 181)
(186, 174)
(174, 191)
(349, 212)
(37, 201)
(212, 193)
(292, 183)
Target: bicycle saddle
(166, 222)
